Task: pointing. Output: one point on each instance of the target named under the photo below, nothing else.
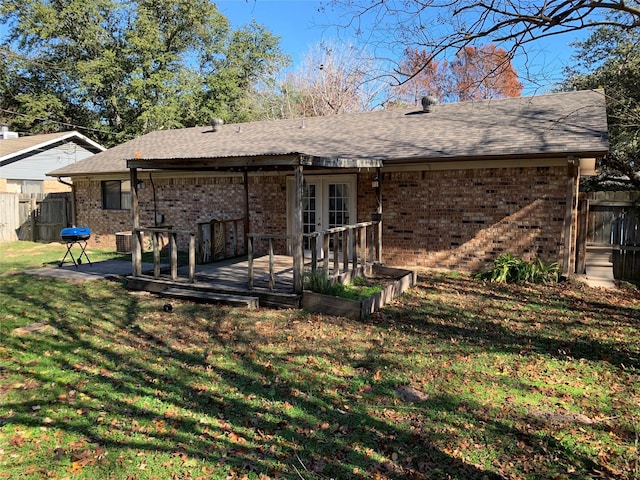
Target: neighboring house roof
(14, 149)
(560, 124)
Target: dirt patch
(33, 328)
(561, 418)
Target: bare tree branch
(442, 26)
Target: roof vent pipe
(428, 102)
(216, 123)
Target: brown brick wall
(463, 219)
(184, 202)
(453, 219)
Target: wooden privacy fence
(221, 239)
(36, 217)
(613, 218)
(626, 244)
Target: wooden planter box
(361, 309)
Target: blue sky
(300, 26)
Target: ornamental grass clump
(360, 288)
(510, 269)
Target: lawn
(454, 380)
(17, 256)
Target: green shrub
(510, 269)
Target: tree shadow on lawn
(123, 384)
(324, 438)
(508, 318)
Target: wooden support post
(583, 209)
(173, 248)
(378, 227)
(371, 243)
(192, 257)
(272, 280)
(573, 179)
(345, 250)
(336, 256)
(325, 254)
(298, 247)
(313, 244)
(363, 246)
(136, 245)
(156, 254)
(245, 177)
(250, 260)
(353, 245)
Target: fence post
(34, 206)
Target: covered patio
(275, 279)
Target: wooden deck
(228, 278)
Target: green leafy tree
(610, 58)
(126, 68)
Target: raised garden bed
(394, 282)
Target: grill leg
(83, 247)
(78, 261)
(70, 254)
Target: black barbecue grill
(75, 236)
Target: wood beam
(573, 179)
(136, 245)
(298, 247)
(245, 178)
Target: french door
(327, 202)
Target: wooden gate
(36, 217)
(613, 218)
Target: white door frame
(322, 198)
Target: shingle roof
(560, 124)
(14, 147)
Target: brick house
(457, 184)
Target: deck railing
(349, 248)
(253, 237)
(221, 239)
(158, 236)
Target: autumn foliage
(475, 74)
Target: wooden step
(265, 297)
(212, 297)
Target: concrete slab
(596, 282)
(87, 272)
